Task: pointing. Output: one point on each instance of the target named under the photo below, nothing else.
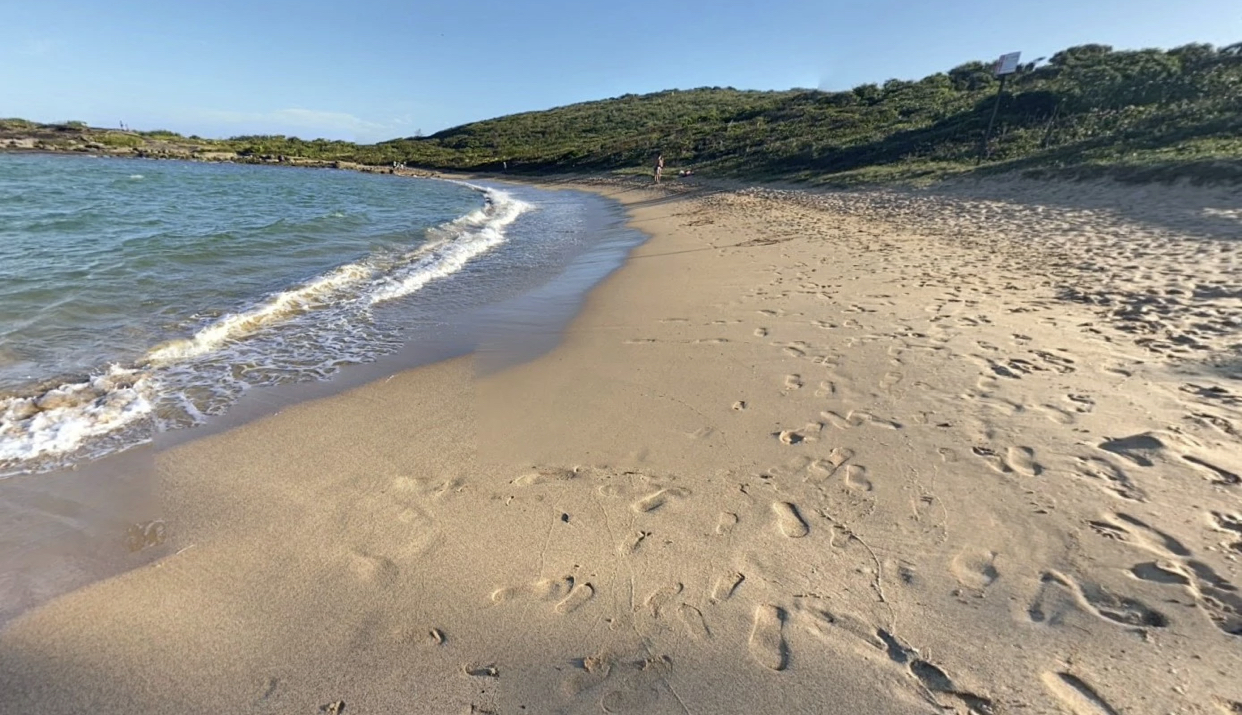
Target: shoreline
(792, 453)
(222, 158)
(580, 271)
(26, 493)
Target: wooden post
(1051, 123)
(987, 136)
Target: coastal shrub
(117, 139)
(14, 124)
(1090, 105)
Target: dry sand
(975, 449)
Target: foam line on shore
(107, 409)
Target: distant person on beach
(659, 167)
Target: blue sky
(369, 70)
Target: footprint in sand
(660, 597)
(145, 535)
(975, 568)
(992, 459)
(890, 380)
(271, 692)
(1218, 475)
(809, 433)
(821, 622)
(1109, 476)
(594, 671)
(794, 351)
(1022, 461)
(1141, 449)
(1058, 415)
(545, 475)
(1016, 459)
(824, 468)
(725, 523)
(725, 585)
(692, 618)
(856, 478)
(1105, 604)
(1160, 572)
(937, 681)
(1082, 403)
(1057, 363)
(789, 437)
(767, 644)
(856, 418)
(1216, 422)
(657, 499)
(1052, 603)
(637, 684)
(580, 594)
(546, 589)
(793, 382)
(788, 520)
(378, 570)
(1216, 596)
(634, 541)
(481, 671)
(1075, 694)
(1123, 527)
(1227, 523)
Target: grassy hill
(1088, 110)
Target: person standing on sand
(659, 167)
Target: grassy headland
(1087, 111)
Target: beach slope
(972, 449)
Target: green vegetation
(1088, 111)
(118, 139)
(164, 134)
(15, 124)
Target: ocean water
(138, 297)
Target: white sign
(1007, 64)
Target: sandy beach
(974, 448)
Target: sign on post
(1007, 64)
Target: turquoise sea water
(138, 296)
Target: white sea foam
(454, 244)
(68, 418)
(64, 418)
(469, 236)
(280, 306)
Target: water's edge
(121, 523)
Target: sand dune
(966, 450)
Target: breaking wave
(304, 332)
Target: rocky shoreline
(69, 139)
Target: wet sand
(970, 449)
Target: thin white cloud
(37, 47)
(308, 124)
